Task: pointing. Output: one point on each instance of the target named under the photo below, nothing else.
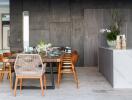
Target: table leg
(14, 79)
(52, 76)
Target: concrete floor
(93, 86)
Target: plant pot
(111, 43)
(42, 54)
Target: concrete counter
(116, 66)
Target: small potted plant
(42, 48)
(111, 36)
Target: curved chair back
(29, 63)
(75, 57)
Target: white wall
(3, 9)
(6, 37)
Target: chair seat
(28, 72)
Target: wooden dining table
(46, 59)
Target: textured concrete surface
(93, 86)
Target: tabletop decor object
(67, 49)
(54, 51)
(42, 48)
(118, 42)
(121, 42)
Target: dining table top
(44, 59)
(51, 59)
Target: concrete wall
(74, 23)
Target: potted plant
(114, 28)
(42, 48)
(111, 36)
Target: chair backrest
(75, 56)
(66, 61)
(1, 58)
(27, 62)
(7, 54)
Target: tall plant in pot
(114, 28)
(111, 36)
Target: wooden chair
(29, 66)
(7, 54)
(67, 66)
(5, 68)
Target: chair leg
(7, 76)
(10, 77)
(75, 75)
(2, 76)
(60, 77)
(44, 78)
(3, 73)
(21, 85)
(41, 85)
(58, 80)
(15, 86)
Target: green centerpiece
(42, 48)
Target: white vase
(111, 43)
